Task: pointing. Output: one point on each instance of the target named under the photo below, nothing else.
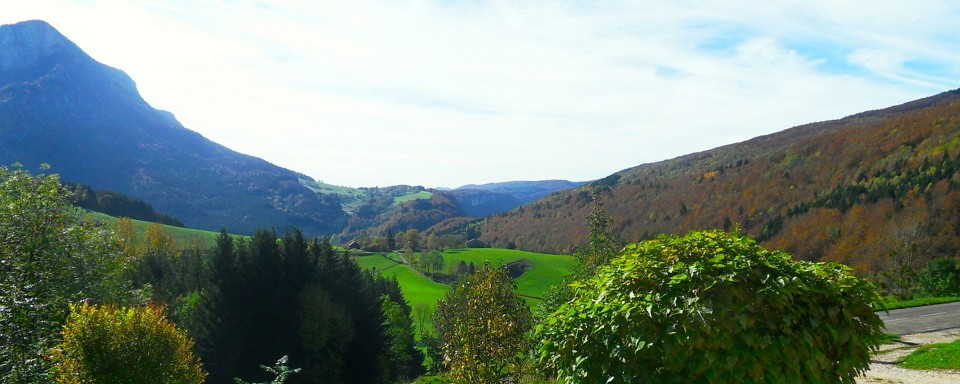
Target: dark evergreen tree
(303, 299)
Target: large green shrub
(712, 307)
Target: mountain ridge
(806, 190)
(86, 119)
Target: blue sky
(446, 93)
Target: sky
(446, 93)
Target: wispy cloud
(447, 93)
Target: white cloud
(448, 93)
(884, 62)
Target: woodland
(873, 191)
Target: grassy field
(350, 198)
(183, 235)
(417, 289)
(891, 303)
(422, 195)
(546, 271)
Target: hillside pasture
(416, 288)
(545, 270)
(420, 195)
(184, 236)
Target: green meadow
(545, 270)
(184, 236)
(420, 195)
(417, 289)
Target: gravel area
(883, 370)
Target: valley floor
(883, 369)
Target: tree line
(72, 288)
(118, 205)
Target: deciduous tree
(481, 324)
(49, 256)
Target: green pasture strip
(416, 288)
(934, 356)
(375, 262)
(547, 270)
(897, 304)
(183, 235)
(350, 198)
(330, 189)
(422, 195)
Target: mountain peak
(33, 43)
(88, 121)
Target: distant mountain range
(488, 199)
(865, 190)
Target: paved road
(922, 319)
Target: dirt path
(883, 370)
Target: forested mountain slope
(859, 190)
(88, 121)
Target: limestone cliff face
(60, 106)
(33, 45)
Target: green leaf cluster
(712, 307)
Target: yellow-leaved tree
(481, 324)
(118, 345)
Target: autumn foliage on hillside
(871, 190)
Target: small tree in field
(481, 324)
(107, 344)
(712, 307)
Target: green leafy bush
(116, 345)
(49, 257)
(941, 278)
(712, 307)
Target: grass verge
(934, 356)
(897, 304)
